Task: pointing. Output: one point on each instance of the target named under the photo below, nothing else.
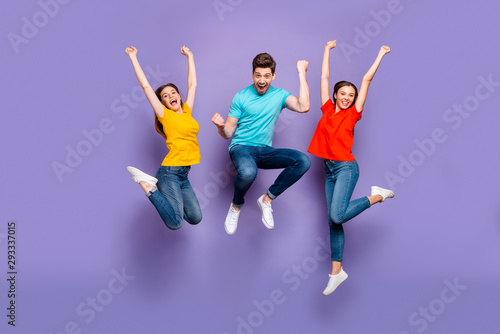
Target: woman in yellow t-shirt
(170, 192)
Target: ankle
(266, 199)
(336, 267)
(147, 187)
(374, 199)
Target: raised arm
(191, 77)
(227, 128)
(367, 79)
(143, 81)
(325, 72)
(302, 103)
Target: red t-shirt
(334, 134)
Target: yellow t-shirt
(181, 131)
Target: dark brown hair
(158, 125)
(264, 60)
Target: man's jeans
(247, 159)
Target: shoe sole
(228, 231)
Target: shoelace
(331, 282)
(234, 216)
(267, 206)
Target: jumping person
(333, 141)
(252, 116)
(170, 192)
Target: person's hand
(131, 51)
(384, 49)
(331, 44)
(302, 66)
(218, 120)
(185, 51)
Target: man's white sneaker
(334, 282)
(231, 222)
(385, 193)
(140, 176)
(267, 213)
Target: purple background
(74, 233)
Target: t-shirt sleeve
(165, 110)
(285, 96)
(186, 109)
(358, 114)
(235, 108)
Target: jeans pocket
(327, 167)
(355, 167)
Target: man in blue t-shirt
(252, 117)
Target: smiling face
(170, 98)
(262, 78)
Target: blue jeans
(174, 197)
(247, 159)
(341, 178)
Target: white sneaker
(385, 193)
(231, 222)
(140, 176)
(334, 282)
(267, 213)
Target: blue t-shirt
(257, 115)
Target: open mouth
(261, 86)
(173, 102)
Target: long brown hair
(158, 125)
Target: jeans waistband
(175, 169)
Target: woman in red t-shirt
(333, 141)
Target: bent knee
(194, 220)
(337, 218)
(174, 227)
(303, 162)
(174, 224)
(248, 174)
